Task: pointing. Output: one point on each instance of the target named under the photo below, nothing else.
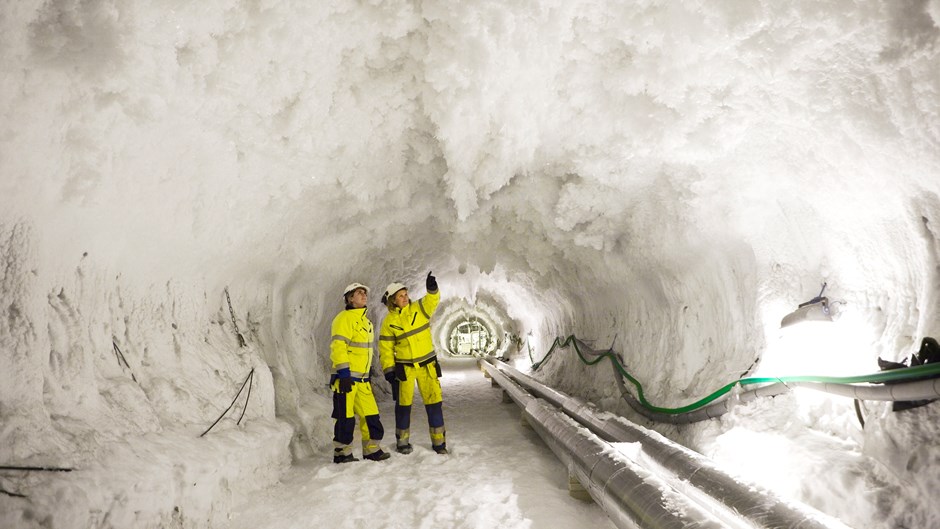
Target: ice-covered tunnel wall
(669, 178)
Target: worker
(351, 354)
(407, 356)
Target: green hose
(894, 375)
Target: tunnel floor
(499, 473)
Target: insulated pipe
(761, 508)
(630, 495)
(918, 390)
(901, 391)
(889, 389)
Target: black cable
(120, 355)
(44, 469)
(251, 376)
(233, 402)
(858, 413)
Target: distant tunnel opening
(477, 328)
(471, 338)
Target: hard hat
(392, 289)
(353, 286)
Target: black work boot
(380, 455)
(404, 449)
(441, 449)
(348, 458)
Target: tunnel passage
(477, 327)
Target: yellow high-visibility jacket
(351, 345)
(405, 335)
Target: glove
(431, 283)
(390, 376)
(400, 372)
(345, 384)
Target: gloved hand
(345, 384)
(431, 283)
(390, 376)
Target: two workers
(407, 357)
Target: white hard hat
(353, 286)
(391, 290)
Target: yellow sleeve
(428, 304)
(386, 346)
(341, 333)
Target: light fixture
(816, 309)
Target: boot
(348, 458)
(381, 455)
(404, 449)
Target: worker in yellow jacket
(407, 356)
(351, 355)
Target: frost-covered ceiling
(579, 159)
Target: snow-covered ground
(499, 474)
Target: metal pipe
(901, 391)
(724, 496)
(890, 391)
(630, 495)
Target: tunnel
(187, 188)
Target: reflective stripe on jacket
(405, 335)
(351, 343)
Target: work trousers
(427, 379)
(360, 402)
